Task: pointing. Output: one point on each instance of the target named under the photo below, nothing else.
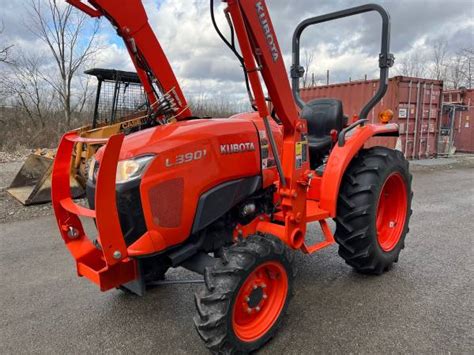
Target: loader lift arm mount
(263, 59)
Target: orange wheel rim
(391, 212)
(260, 301)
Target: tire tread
(214, 302)
(356, 208)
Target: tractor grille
(166, 201)
(129, 209)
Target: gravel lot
(424, 305)
(10, 209)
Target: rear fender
(340, 158)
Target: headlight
(132, 169)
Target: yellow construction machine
(120, 106)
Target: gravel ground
(459, 161)
(9, 157)
(10, 208)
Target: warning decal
(301, 151)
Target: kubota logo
(267, 30)
(237, 148)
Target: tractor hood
(160, 139)
(191, 158)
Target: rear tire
(373, 210)
(246, 295)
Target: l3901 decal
(186, 158)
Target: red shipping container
(457, 126)
(416, 104)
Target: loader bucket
(32, 184)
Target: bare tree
(440, 57)
(414, 64)
(30, 92)
(468, 54)
(60, 28)
(308, 61)
(457, 71)
(5, 49)
(204, 106)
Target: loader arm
(159, 81)
(263, 59)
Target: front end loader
(231, 198)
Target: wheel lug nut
(247, 299)
(255, 287)
(264, 296)
(257, 309)
(263, 286)
(249, 310)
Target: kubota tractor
(231, 198)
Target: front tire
(374, 209)
(246, 295)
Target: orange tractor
(231, 198)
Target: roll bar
(386, 59)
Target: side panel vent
(167, 203)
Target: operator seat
(322, 116)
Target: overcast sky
(204, 66)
